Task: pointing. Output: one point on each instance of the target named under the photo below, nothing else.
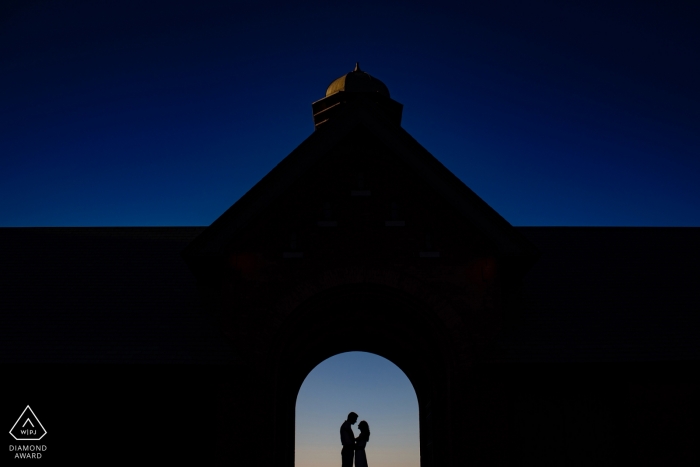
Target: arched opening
(365, 318)
(374, 388)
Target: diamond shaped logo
(27, 427)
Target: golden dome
(357, 81)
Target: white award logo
(27, 427)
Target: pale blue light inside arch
(373, 387)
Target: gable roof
(509, 242)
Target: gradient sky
(377, 391)
(125, 112)
(164, 113)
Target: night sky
(164, 113)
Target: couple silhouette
(354, 447)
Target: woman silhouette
(360, 443)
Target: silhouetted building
(546, 345)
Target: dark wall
(623, 414)
(589, 414)
(101, 414)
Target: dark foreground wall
(98, 414)
(644, 414)
(591, 414)
(85, 297)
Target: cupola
(357, 81)
(356, 88)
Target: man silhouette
(347, 438)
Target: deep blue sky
(127, 113)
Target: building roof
(357, 81)
(509, 243)
(124, 295)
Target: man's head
(352, 418)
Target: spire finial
(357, 66)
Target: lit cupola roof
(354, 91)
(357, 81)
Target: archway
(375, 319)
(374, 388)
